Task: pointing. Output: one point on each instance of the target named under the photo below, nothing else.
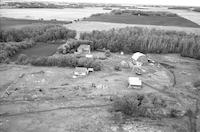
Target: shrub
(131, 105)
(22, 59)
(117, 68)
(143, 105)
(6, 61)
(196, 84)
(107, 53)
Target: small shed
(80, 71)
(140, 58)
(134, 82)
(84, 48)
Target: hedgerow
(37, 32)
(66, 61)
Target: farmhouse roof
(81, 70)
(134, 81)
(137, 55)
(84, 46)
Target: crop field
(18, 23)
(144, 20)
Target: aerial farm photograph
(99, 66)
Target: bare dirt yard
(49, 99)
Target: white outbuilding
(139, 58)
(134, 82)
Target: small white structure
(139, 58)
(84, 49)
(134, 82)
(90, 69)
(89, 56)
(80, 71)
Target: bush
(117, 68)
(139, 105)
(196, 84)
(131, 105)
(22, 59)
(107, 53)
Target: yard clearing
(49, 99)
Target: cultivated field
(143, 18)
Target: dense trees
(68, 60)
(133, 39)
(8, 49)
(37, 32)
(143, 13)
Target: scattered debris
(138, 70)
(134, 82)
(40, 72)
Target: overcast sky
(151, 2)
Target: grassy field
(40, 49)
(144, 20)
(40, 96)
(17, 23)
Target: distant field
(40, 49)
(144, 20)
(12, 22)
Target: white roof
(135, 81)
(137, 55)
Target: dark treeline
(143, 13)
(134, 39)
(68, 60)
(37, 32)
